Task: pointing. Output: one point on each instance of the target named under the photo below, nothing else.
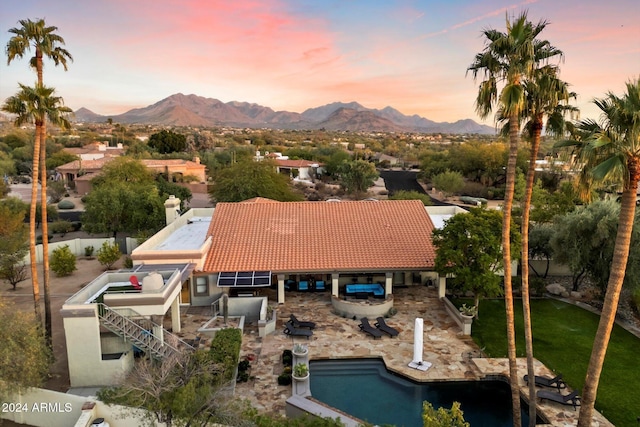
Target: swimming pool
(365, 389)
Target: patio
(454, 356)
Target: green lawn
(562, 338)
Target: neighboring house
(86, 169)
(299, 170)
(96, 150)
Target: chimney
(172, 209)
(196, 159)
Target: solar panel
(244, 278)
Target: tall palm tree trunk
(526, 306)
(45, 235)
(506, 257)
(32, 225)
(612, 296)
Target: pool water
(365, 389)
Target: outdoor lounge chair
(300, 323)
(135, 283)
(542, 381)
(292, 331)
(367, 328)
(571, 399)
(383, 327)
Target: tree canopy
(357, 176)
(24, 354)
(248, 179)
(584, 241)
(469, 247)
(167, 141)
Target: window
(202, 286)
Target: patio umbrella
(417, 341)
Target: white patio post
(280, 288)
(335, 281)
(442, 286)
(175, 315)
(388, 283)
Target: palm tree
(611, 154)
(509, 58)
(546, 95)
(36, 105)
(44, 41)
(47, 43)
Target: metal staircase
(138, 330)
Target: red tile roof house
(337, 243)
(82, 171)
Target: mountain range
(194, 110)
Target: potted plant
(300, 349)
(300, 371)
(468, 310)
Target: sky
(297, 54)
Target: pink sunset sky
(297, 54)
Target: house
(80, 172)
(299, 169)
(96, 150)
(236, 249)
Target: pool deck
(454, 356)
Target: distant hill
(193, 110)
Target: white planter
(300, 378)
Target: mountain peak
(194, 110)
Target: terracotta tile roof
(169, 162)
(85, 164)
(320, 236)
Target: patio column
(280, 288)
(388, 283)
(335, 281)
(408, 278)
(442, 286)
(175, 315)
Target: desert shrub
(63, 262)
(66, 204)
(39, 238)
(88, 251)
(128, 262)
(61, 227)
(635, 300)
(474, 189)
(77, 225)
(287, 357)
(285, 377)
(495, 193)
(412, 195)
(109, 254)
(536, 285)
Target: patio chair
(303, 285)
(292, 331)
(383, 327)
(320, 285)
(571, 399)
(543, 381)
(366, 327)
(300, 323)
(135, 283)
